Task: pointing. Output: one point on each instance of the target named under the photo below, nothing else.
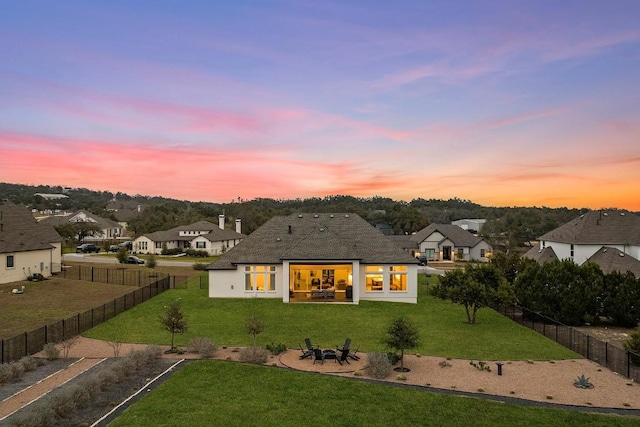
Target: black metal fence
(624, 362)
(32, 342)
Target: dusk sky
(525, 103)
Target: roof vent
(278, 239)
(604, 250)
(604, 213)
(621, 213)
(299, 215)
(315, 216)
(621, 254)
(331, 216)
(346, 216)
(322, 229)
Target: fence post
(92, 274)
(588, 346)
(64, 329)
(2, 352)
(26, 343)
(606, 353)
(628, 364)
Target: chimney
(221, 222)
(238, 226)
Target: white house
(109, 229)
(316, 257)
(446, 242)
(27, 247)
(472, 225)
(610, 238)
(201, 235)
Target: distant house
(27, 247)
(473, 226)
(109, 229)
(446, 242)
(610, 238)
(315, 257)
(202, 235)
(126, 210)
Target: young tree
(254, 327)
(122, 255)
(173, 319)
(152, 263)
(401, 336)
(475, 287)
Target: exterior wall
(474, 253)
(230, 284)
(580, 252)
(408, 296)
(25, 264)
(214, 248)
(431, 242)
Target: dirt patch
(615, 335)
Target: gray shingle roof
(541, 255)
(606, 227)
(19, 231)
(612, 259)
(64, 219)
(460, 237)
(215, 234)
(314, 237)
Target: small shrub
(549, 397)
(174, 251)
(17, 370)
(378, 365)
(199, 266)
(481, 390)
(401, 377)
(358, 373)
(5, 373)
(62, 403)
(444, 364)
(481, 365)
(203, 346)
(253, 354)
(51, 351)
(582, 382)
(394, 358)
(276, 348)
(29, 363)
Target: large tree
(477, 286)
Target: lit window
(398, 278)
(260, 278)
(373, 277)
(10, 261)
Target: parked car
(134, 260)
(87, 248)
(422, 260)
(114, 248)
(128, 244)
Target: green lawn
(215, 393)
(442, 327)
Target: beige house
(319, 257)
(202, 236)
(109, 229)
(27, 247)
(447, 242)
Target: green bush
(253, 354)
(199, 266)
(378, 365)
(633, 345)
(197, 253)
(29, 363)
(276, 348)
(174, 251)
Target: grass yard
(208, 393)
(442, 327)
(49, 301)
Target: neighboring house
(110, 230)
(26, 246)
(473, 226)
(610, 238)
(125, 210)
(320, 257)
(202, 236)
(446, 242)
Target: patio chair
(318, 355)
(305, 353)
(344, 357)
(347, 346)
(307, 342)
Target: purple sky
(503, 103)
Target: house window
(260, 278)
(201, 245)
(430, 253)
(571, 251)
(398, 278)
(483, 253)
(10, 261)
(461, 253)
(158, 245)
(373, 278)
(185, 245)
(142, 246)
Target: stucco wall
(25, 264)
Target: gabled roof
(605, 227)
(215, 234)
(541, 255)
(198, 226)
(314, 237)
(460, 237)
(19, 231)
(73, 217)
(611, 259)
